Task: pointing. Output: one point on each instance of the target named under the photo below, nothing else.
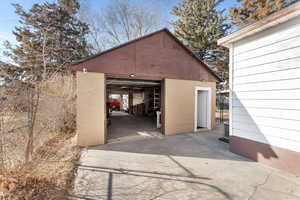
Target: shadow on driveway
(186, 166)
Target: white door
(202, 109)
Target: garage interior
(133, 109)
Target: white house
(265, 90)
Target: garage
(149, 87)
(133, 109)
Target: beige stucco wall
(180, 105)
(91, 118)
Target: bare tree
(121, 21)
(31, 87)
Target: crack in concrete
(259, 185)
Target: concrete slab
(126, 127)
(188, 166)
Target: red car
(114, 105)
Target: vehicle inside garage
(133, 109)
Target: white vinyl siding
(266, 86)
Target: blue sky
(8, 18)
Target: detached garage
(265, 90)
(152, 85)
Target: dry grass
(47, 176)
(49, 173)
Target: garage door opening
(202, 108)
(133, 109)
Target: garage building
(151, 85)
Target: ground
(187, 166)
(125, 127)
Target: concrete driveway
(190, 166)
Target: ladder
(156, 98)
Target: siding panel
(285, 134)
(264, 112)
(283, 64)
(272, 76)
(289, 53)
(269, 94)
(286, 43)
(271, 85)
(268, 104)
(275, 34)
(275, 123)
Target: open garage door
(133, 109)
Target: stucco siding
(91, 118)
(180, 105)
(266, 86)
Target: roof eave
(277, 18)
